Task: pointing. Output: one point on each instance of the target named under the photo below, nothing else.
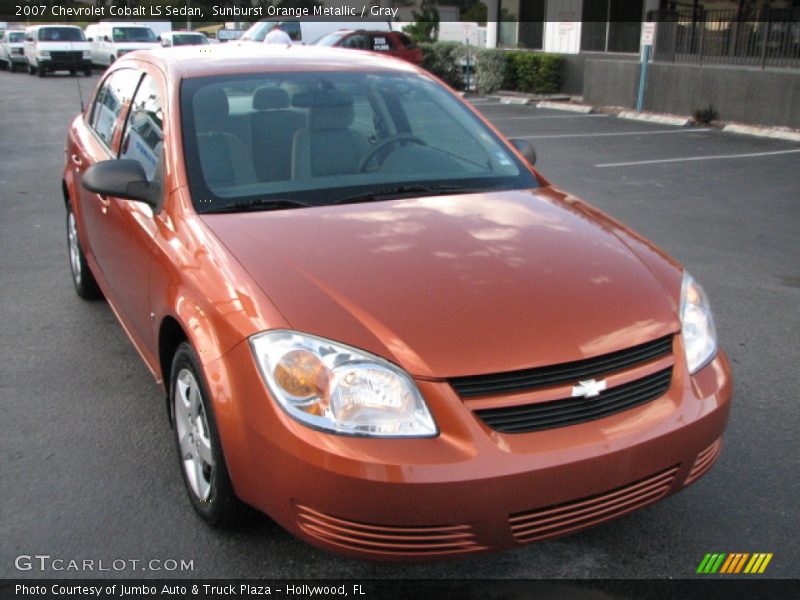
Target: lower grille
(387, 539)
(564, 518)
(66, 56)
(570, 411)
(705, 460)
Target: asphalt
(88, 465)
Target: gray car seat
(225, 159)
(327, 146)
(273, 126)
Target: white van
(57, 48)
(110, 40)
(308, 32)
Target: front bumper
(58, 64)
(471, 489)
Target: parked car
(229, 35)
(183, 38)
(372, 318)
(12, 50)
(111, 40)
(394, 43)
(57, 48)
(306, 32)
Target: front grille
(420, 540)
(542, 377)
(564, 518)
(570, 411)
(66, 57)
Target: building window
(521, 24)
(611, 25)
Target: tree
(426, 23)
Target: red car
(372, 318)
(393, 43)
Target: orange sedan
(372, 318)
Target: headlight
(337, 388)
(44, 53)
(697, 325)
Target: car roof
(186, 62)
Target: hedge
(532, 72)
(443, 59)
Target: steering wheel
(390, 141)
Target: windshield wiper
(403, 191)
(259, 204)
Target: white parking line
(575, 116)
(692, 158)
(616, 133)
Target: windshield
(15, 37)
(134, 34)
(328, 137)
(331, 38)
(188, 39)
(257, 32)
(61, 34)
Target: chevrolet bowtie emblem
(588, 388)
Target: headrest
(210, 105)
(327, 109)
(270, 99)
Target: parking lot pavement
(88, 461)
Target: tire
(4, 65)
(41, 71)
(31, 69)
(73, 72)
(199, 450)
(87, 72)
(82, 278)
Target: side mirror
(29, 39)
(525, 149)
(123, 178)
(158, 39)
(89, 39)
(105, 38)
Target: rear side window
(143, 138)
(16, 37)
(406, 41)
(113, 95)
(355, 41)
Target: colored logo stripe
(728, 564)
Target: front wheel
(82, 278)
(199, 450)
(40, 71)
(87, 71)
(31, 69)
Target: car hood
(454, 285)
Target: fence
(766, 38)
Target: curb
(578, 108)
(515, 100)
(654, 118)
(780, 134)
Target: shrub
(490, 70)
(705, 115)
(536, 72)
(444, 59)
